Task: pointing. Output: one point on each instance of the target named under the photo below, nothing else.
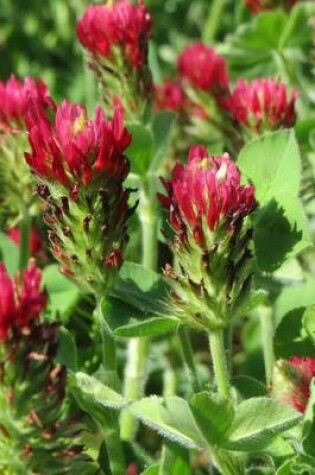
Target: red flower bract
(306, 369)
(21, 299)
(14, 97)
(206, 192)
(170, 96)
(203, 69)
(123, 24)
(75, 150)
(263, 104)
(257, 6)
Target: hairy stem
(188, 357)
(138, 348)
(267, 333)
(218, 353)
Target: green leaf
(171, 417)
(298, 30)
(281, 231)
(272, 163)
(249, 387)
(213, 414)
(140, 152)
(250, 50)
(163, 124)
(67, 351)
(152, 470)
(9, 253)
(63, 294)
(127, 321)
(175, 460)
(299, 465)
(309, 322)
(257, 421)
(309, 424)
(142, 288)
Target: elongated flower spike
(16, 183)
(80, 167)
(291, 381)
(208, 210)
(37, 432)
(116, 36)
(263, 104)
(257, 6)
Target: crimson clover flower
(22, 300)
(116, 35)
(80, 167)
(14, 97)
(208, 207)
(257, 6)
(203, 69)
(263, 104)
(291, 381)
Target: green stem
(218, 354)
(213, 21)
(138, 347)
(112, 437)
(188, 357)
(267, 333)
(25, 232)
(108, 343)
(115, 453)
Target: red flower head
(14, 97)
(36, 241)
(203, 69)
(21, 299)
(263, 104)
(170, 96)
(121, 25)
(292, 379)
(204, 193)
(76, 150)
(257, 6)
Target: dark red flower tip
(22, 300)
(257, 6)
(122, 24)
(171, 96)
(75, 149)
(205, 192)
(263, 104)
(14, 97)
(203, 69)
(36, 241)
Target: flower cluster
(36, 433)
(116, 36)
(22, 300)
(263, 104)
(81, 166)
(208, 208)
(257, 6)
(292, 379)
(14, 97)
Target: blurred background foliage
(38, 38)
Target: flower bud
(291, 381)
(80, 166)
(257, 6)
(263, 104)
(116, 36)
(38, 434)
(208, 208)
